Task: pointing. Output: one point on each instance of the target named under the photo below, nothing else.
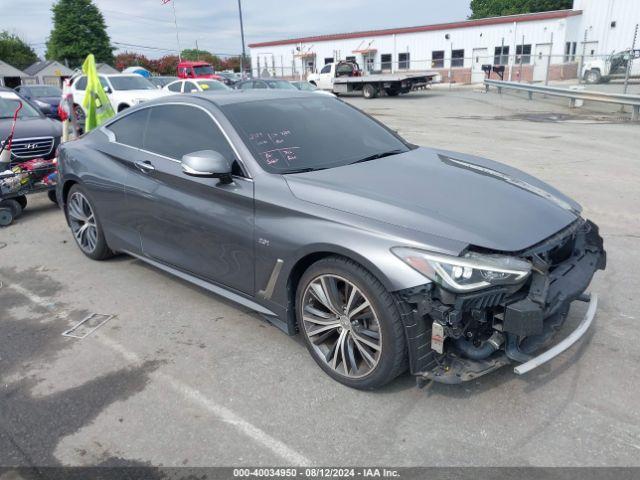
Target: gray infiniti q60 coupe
(383, 255)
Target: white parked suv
(123, 90)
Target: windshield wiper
(379, 155)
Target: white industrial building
(532, 47)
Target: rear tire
(85, 224)
(361, 345)
(52, 196)
(392, 92)
(369, 91)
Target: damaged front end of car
(484, 310)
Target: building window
(570, 52)
(457, 58)
(351, 59)
(328, 60)
(437, 59)
(501, 56)
(404, 61)
(385, 61)
(523, 54)
(614, 24)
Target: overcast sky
(214, 23)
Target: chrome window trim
(112, 138)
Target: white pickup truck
(599, 70)
(123, 91)
(346, 77)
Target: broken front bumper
(525, 320)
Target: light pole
(242, 36)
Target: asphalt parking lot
(180, 377)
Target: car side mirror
(207, 163)
(106, 89)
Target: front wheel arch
(301, 265)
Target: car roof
(230, 97)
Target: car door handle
(144, 166)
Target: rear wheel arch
(65, 190)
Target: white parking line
(195, 396)
(192, 395)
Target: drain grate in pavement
(87, 325)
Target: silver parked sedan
(383, 255)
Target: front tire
(350, 324)
(85, 224)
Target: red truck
(195, 69)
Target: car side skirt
(211, 287)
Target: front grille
(28, 148)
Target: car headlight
(470, 272)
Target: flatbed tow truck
(346, 77)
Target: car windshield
(203, 70)
(8, 105)
(303, 134)
(45, 91)
(280, 85)
(212, 85)
(131, 82)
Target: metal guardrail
(574, 95)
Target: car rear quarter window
(129, 130)
(175, 130)
(175, 87)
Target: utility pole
(242, 36)
(631, 59)
(584, 53)
(546, 81)
(175, 21)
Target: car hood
(449, 195)
(31, 128)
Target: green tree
(496, 8)
(78, 30)
(15, 51)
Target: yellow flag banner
(96, 103)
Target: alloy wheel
(342, 326)
(83, 222)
